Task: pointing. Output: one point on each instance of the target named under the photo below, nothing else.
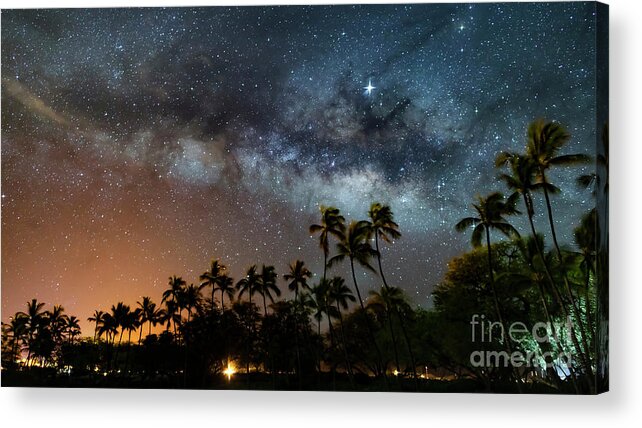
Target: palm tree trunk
(498, 310)
(370, 330)
(345, 347)
(529, 209)
(394, 340)
(332, 363)
(583, 355)
(401, 321)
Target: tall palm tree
(491, 212)
(147, 308)
(171, 315)
(213, 277)
(97, 319)
(267, 285)
(332, 223)
(389, 300)
(341, 296)
(121, 314)
(57, 322)
(298, 278)
(521, 179)
(545, 140)
(192, 299)
(72, 328)
(226, 287)
(355, 246)
(586, 242)
(108, 327)
(249, 284)
(382, 225)
(33, 320)
(16, 332)
(175, 293)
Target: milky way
(141, 143)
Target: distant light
(396, 373)
(229, 371)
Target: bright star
(369, 88)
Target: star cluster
(140, 143)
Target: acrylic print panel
(344, 198)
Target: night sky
(141, 143)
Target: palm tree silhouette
(389, 300)
(586, 242)
(522, 181)
(57, 322)
(332, 223)
(175, 294)
(97, 319)
(108, 327)
(491, 211)
(267, 285)
(355, 247)
(382, 225)
(249, 284)
(341, 295)
(72, 328)
(16, 333)
(192, 299)
(147, 309)
(214, 277)
(298, 278)
(545, 140)
(121, 314)
(33, 320)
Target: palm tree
(157, 317)
(97, 319)
(192, 299)
(298, 278)
(226, 287)
(537, 275)
(108, 327)
(16, 332)
(147, 309)
(33, 320)
(121, 314)
(545, 140)
(175, 294)
(57, 321)
(491, 211)
(249, 284)
(171, 315)
(72, 328)
(212, 278)
(521, 181)
(341, 295)
(389, 300)
(382, 225)
(267, 285)
(355, 247)
(332, 223)
(586, 242)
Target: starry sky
(141, 143)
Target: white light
(369, 88)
